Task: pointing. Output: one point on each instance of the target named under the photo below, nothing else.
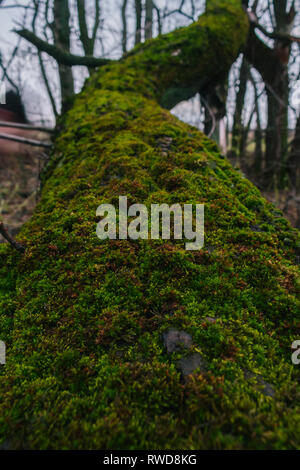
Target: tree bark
(148, 19)
(62, 33)
(294, 160)
(259, 155)
(124, 23)
(88, 42)
(138, 16)
(272, 64)
(237, 146)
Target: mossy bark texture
(127, 344)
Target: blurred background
(254, 116)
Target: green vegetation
(84, 319)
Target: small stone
(256, 228)
(210, 320)
(174, 340)
(267, 388)
(188, 365)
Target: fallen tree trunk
(126, 344)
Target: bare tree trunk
(258, 158)
(276, 132)
(223, 136)
(138, 28)
(149, 19)
(88, 42)
(124, 23)
(294, 159)
(40, 57)
(62, 32)
(273, 66)
(237, 129)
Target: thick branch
(8, 238)
(59, 55)
(261, 57)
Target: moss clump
(84, 320)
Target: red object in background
(8, 116)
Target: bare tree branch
(59, 55)
(7, 237)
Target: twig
(21, 140)
(7, 237)
(15, 125)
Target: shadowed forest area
(124, 338)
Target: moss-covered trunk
(101, 335)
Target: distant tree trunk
(278, 96)
(258, 158)
(294, 159)
(138, 27)
(62, 32)
(88, 41)
(223, 135)
(237, 129)
(272, 64)
(149, 19)
(124, 23)
(276, 132)
(36, 5)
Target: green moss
(84, 319)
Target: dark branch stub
(8, 238)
